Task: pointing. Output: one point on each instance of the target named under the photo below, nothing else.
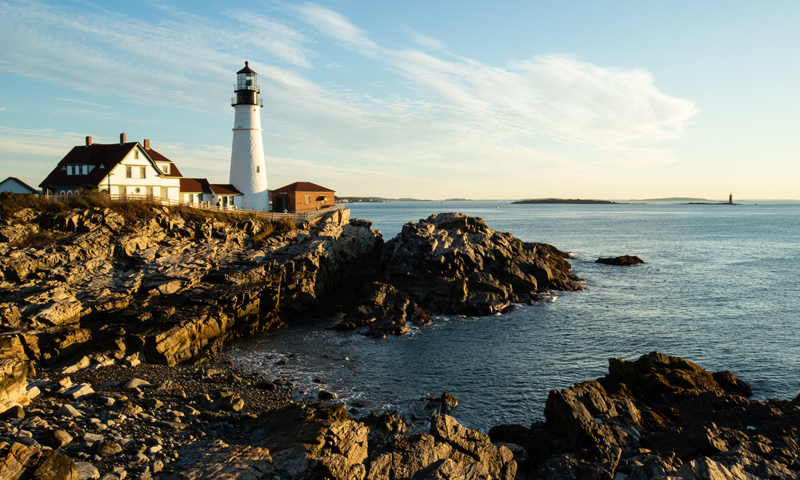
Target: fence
(271, 216)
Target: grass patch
(270, 229)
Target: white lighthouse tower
(248, 172)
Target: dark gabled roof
(98, 154)
(106, 155)
(28, 187)
(157, 157)
(303, 187)
(220, 189)
(194, 185)
(246, 69)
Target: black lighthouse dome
(247, 89)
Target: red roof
(104, 157)
(195, 185)
(225, 189)
(303, 187)
(173, 169)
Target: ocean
(720, 287)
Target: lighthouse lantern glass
(247, 81)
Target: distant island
(675, 199)
(563, 200)
(377, 199)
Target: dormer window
(69, 169)
(166, 168)
(85, 169)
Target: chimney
(147, 144)
(121, 138)
(88, 140)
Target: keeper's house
(124, 168)
(300, 197)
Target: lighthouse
(248, 172)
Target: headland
(112, 315)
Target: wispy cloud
(84, 102)
(445, 112)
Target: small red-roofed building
(124, 168)
(301, 197)
(225, 195)
(195, 191)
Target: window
(308, 199)
(137, 190)
(166, 168)
(85, 169)
(136, 154)
(258, 169)
(69, 169)
(128, 172)
(142, 172)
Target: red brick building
(300, 197)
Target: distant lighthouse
(248, 172)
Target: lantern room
(246, 87)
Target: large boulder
(449, 451)
(663, 417)
(14, 371)
(451, 263)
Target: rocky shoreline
(656, 418)
(110, 325)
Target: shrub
(11, 203)
(284, 225)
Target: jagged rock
(136, 383)
(57, 439)
(19, 461)
(305, 439)
(663, 417)
(108, 448)
(87, 471)
(14, 370)
(451, 263)
(229, 402)
(77, 392)
(444, 404)
(210, 460)
(128, 408)
(179, 286)
(68, 411)
(622, 261)
(450, 451)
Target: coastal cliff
(162, 289)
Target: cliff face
(169, 288)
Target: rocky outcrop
(660, 417)
(448, 451)
(622, 261)
(451, 263)
(14, 371)
(171, 287)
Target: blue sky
(611, 100)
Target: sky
(436, 100)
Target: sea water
(720, 287)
